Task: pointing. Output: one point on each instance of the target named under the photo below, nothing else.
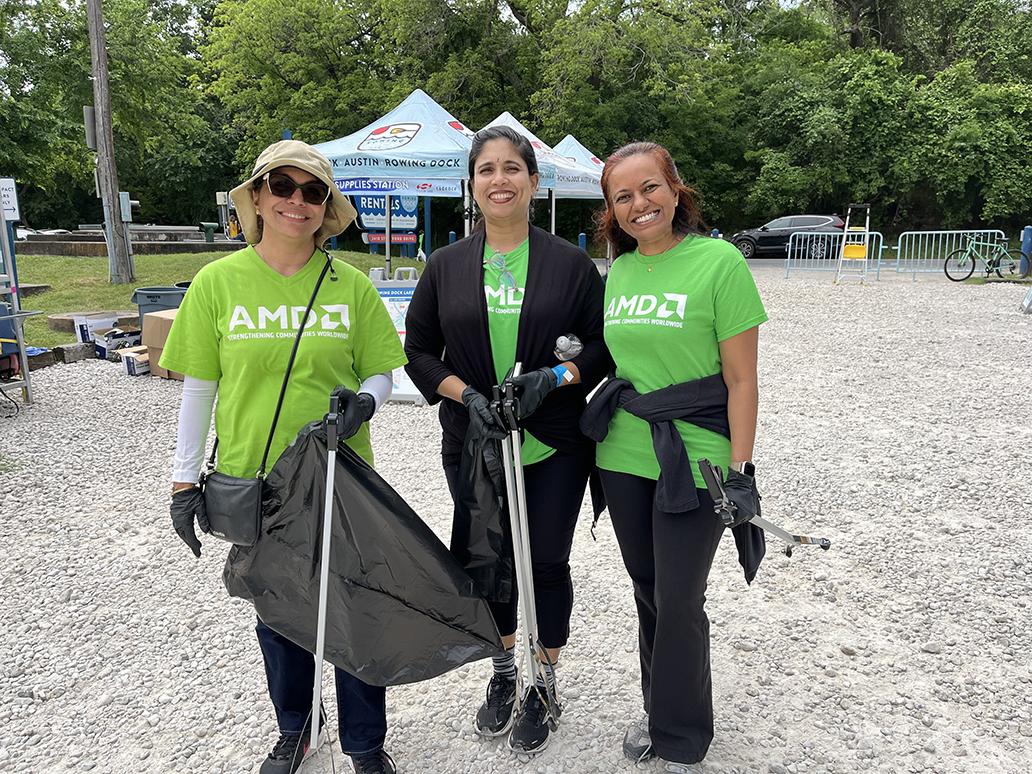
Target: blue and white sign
(413, 186)
(372, 212)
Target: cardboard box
(136, 363)
(156, 370)
(86, 325)
(156, 326)
(121, 354)
(107, 341)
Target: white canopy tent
(571, 148)
(417, 149)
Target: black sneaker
(533, 724)
(378, 762)
(494, 717)
(637, 744)
(290, 751)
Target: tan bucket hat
(293, 153)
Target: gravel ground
(894, 420)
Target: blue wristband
(562, 374)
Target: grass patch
(81, 284)
(994, 280)
(1011, 280)
(6, 464)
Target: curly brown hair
(687, 214)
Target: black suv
(773, 237)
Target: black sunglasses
(283, 186)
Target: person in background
(233, 227)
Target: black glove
(741, 489)
(531, 389)
(481, 421)
(188, 504)
(354, 407)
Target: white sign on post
(396, 295)
(10, 199)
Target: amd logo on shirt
(282, 321)
(645, 309)
(504, 300)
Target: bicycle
(995, 257)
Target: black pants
(668, 557)
(290, 671)
(555, 490)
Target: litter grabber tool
(505, 406)
(729, 514)
(332, 420)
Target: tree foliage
(921, 108)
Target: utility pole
(120, 265)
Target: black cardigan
(446, 333)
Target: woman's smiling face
(502, 186)
(291, 216)
(643, 201)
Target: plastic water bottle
(568, 347)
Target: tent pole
(551, 203)
(427, 249)
(387, 241)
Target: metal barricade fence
(926, 251)
(819, 251)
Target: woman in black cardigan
(500, 296)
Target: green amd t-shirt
(505, 278)
(665, 316)
(237, 325)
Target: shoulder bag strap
(290, 363)
(286, 376)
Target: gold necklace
(648, 266)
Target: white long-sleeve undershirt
(195, 421)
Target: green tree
(170, 152)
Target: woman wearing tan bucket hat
(232, 336)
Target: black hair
(519, 142)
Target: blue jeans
(290, 670)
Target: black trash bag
(400, 609)
(481, 540)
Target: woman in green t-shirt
(233, 336)
(679, 308)
(500, 296)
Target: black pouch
(233, 506)
(233, 503)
